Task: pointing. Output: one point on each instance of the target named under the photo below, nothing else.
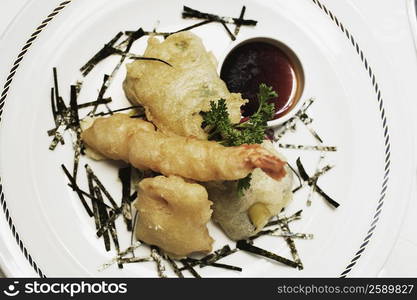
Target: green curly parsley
(219, 128)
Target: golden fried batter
(118, 137)
(174, 96)
(173, 215)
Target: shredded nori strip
(295, 216)
(317, 189)
(224, 266)
(300, 184)
(210, 258)
(231, 35)
(99, 99)
(92, 197)
(107, 224)
(130, 260)
(138, 57)
(307, 122)
(242, 14)
(320, 172)
(129, 41)
(120, 257)
(101, 186)
(101, 114)
(297, 235)
(262, 233)
(104, 217)
(193, 13)
(245, 246)
(80, 195)
(96, 102)
(94, 203)
(105, 52)
(192, 26)
(326, 197)
(189, 268)
(218, 254)
(75, 125)
(125, 177)
(133, 196)
(132, 235)
(290, 242)
(113, 233)
(301, 170)
(308, 147)
(156, 256)
(174, 266)
(291, 124)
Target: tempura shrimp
(134, 141)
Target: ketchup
(253, 63)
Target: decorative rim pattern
(387, 142)
(344, 30)
(3, 96)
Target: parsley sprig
(219, 128)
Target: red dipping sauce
(258, 62)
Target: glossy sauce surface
(258, 62)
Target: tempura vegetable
(173, 97)
(173, 214)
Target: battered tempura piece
(173, 215)
(243, 216)
(174, 96)
(132, 140)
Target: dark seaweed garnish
(313, 182)
(231, 35)
(193, 26)
(210, 258)
(300, 184)
(139, 108)
(242, 14)
(291, 124)
(308, 147)
(285, 228)
(246, 246)
(157, 257)
(218, 254)
(138, 57)
(125, 177)
(103, 216)
(96, 102)
(166, 34)
(227, 267)
(101, 186)
(113, 233)
(192, 13)
(295, 216)
(80, 195)
(189, 268)
(105, 52)
(95, 203)
(174, 266)
(130, 260)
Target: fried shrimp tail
(136, 141)
(260, 157)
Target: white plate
(355, 103)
